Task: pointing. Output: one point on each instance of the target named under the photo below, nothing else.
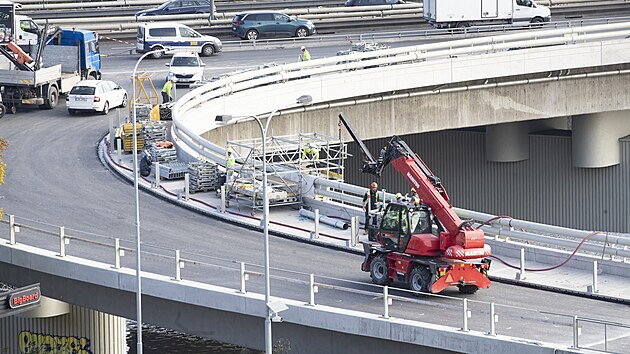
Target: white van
(160, 35)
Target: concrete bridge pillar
(596, 136)
(507, 142)
(77, 329)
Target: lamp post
(135, 187)
(302, 101)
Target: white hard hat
(303, 47)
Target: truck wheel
(92, 76)
(2, 110)
(12, 109)
(379, 270)
(468, 289)
(420, 279)
(53, 97)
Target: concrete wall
(545, 188)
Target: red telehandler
(425, 245)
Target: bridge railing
(459, 313)
(292, 74)
(324, 15)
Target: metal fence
(389, 303)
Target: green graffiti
(36, 343)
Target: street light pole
(302, 101)
(137, 197)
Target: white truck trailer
(465, 13)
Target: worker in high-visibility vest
(370, 201)
(166, 91)
(305, 56)
(229, 164)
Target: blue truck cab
(89, 51)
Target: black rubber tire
(124, 102)
(12, 109)
(105, 108)
(72, 111)
(468, 289)
(207, 50)
(93, 76)
(419, 279)
(53, 97)
(3, 110)
(301, 32)
(379, 270)
(463, 24)
(157, 55)
(537, 20)
(251, 35)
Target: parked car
(185, 68)
(373, 2)
(95, 95)
(178, 7)
(161, 35)
(251, 25)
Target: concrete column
(508, 142)
(596, 136)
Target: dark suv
(373, 2)
(251, 25)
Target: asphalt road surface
(54, 176)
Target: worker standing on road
(166, 91)
(370, 201)
(305, 56)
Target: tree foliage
(3, 146)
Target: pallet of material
(162, 152)
(203, 176)
(173, 170)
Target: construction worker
(370, 201)
(305, 56)
(166, 91)
(229, 165)
(399, 198)
(310, 152)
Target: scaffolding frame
(286, 165)
(144, 95)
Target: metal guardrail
(326, 18)
(554, 327)
(600, 243)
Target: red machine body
(425, 245)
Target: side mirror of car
(203, 64)
(167, 64)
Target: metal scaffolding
(288, 158)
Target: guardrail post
(313, 289)
(187, 186)
(157, 174)
(520, 275)
(386, 302)
(12, 229)
(178, 270)
(593, 288)
(243, 278)
(119, 147)
(62, 241)
(315, 233)
(354, 231)
(223, 198)
(493, 320)
(575, 332)
(117, 248)
(466, 316)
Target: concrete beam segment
(507, 142)
(596, 138)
